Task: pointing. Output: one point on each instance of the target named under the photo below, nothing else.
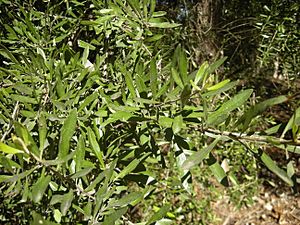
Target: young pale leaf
(165, 121)
(163, 25)
(114, 216)
(271, 165)
(39, 188)
(95, 146)
(159, 214)
(226, 87)
(9, 150)
(199, 156)
(66, 134)
(222, 113)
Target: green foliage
(89, 96)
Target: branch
(253, 138)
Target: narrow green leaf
(129, 83)
(217, 170)
(163, 25)
(258, 109)
(178, 124)
(183, 66)
(80, 152)
(66, 203)
(66, 134)
(114, 216)
(9, 150)
(199, 156)
(88, 100)
(23, 99)
(226, 87)
(84, 44)
(222, 113)
(82, 173)
(176, 78)
(293, 121)
(40, 187)
(201, 73)
(95, 146)
(42, 132)
(165, 121)
(218, 85)
(131, 166)
(153, 77)
(216, 65)
(272, 166)
(159, 214)
(126, 200)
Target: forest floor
(271, 206)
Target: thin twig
(254, 137)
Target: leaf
(126, 200)
(66, 202)
(40, 187)
(163, 25)
(258, 109)
(114, 216)
(215, 65)
(88, 100)
(178, 124)
(176, 78)
(222, 113)
(271, 165)
(84, 44)
(217, 170)
(42, 131)
(165, 121)
(159, 214)
(23, 99)
(293, 121)
(66, 134)
(82, 173)
(39, 220)
(95, 146)
(226, 87)
(153, 77)
(199, 156)
(218, 85)
(183, 66)
(131, 166)
(201, 73)
(9, 150)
